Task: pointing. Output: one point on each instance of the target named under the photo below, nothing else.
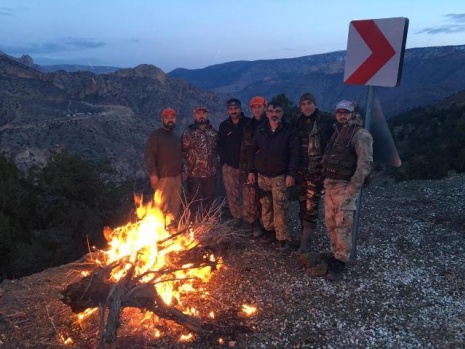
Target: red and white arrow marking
(381, 52)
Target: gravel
(405, 289)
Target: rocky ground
(405, 289)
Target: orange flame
(148, 250)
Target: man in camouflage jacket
(199, 151)
(315, 130)
(347, 162)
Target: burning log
(93, 291)
(145, 267)
(97, 290)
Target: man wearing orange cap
(251, 199)
(164, 163)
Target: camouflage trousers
(340, 206)
(242, 198)
(169, 189)
(275, 205)
(309, 192)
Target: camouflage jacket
(357, 151)
(315, 132)
(199, 151)
(248, 144)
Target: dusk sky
(198, 33)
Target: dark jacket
(199, 150)
(276, 153)
(229, 141)
(314, 132)
(163, 153)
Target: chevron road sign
(375, 51)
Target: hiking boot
(257, 230)
(309, 260)
(319, 270)
(336, 270)
(268, 237)
(284, 247)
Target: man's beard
(201, 121)
(169, 126)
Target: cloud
(457, 25)
(81, 43)
(457, 17)
(60, 45)
(5, 11)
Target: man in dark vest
(347, 162)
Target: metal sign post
(370, 99)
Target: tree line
(52, 215)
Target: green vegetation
(430, 142)
(53, 214)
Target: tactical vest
(340, 155)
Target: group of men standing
(261, 158)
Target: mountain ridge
(322, 75)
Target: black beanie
(233, 102)
(307, 96)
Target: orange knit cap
(258, 100)
(168, 112)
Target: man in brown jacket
(164, 163)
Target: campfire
(151, 268)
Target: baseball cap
(200, 107)
(346, 105)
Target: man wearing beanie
(164, 163)
(315, 130)
(229, 151)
